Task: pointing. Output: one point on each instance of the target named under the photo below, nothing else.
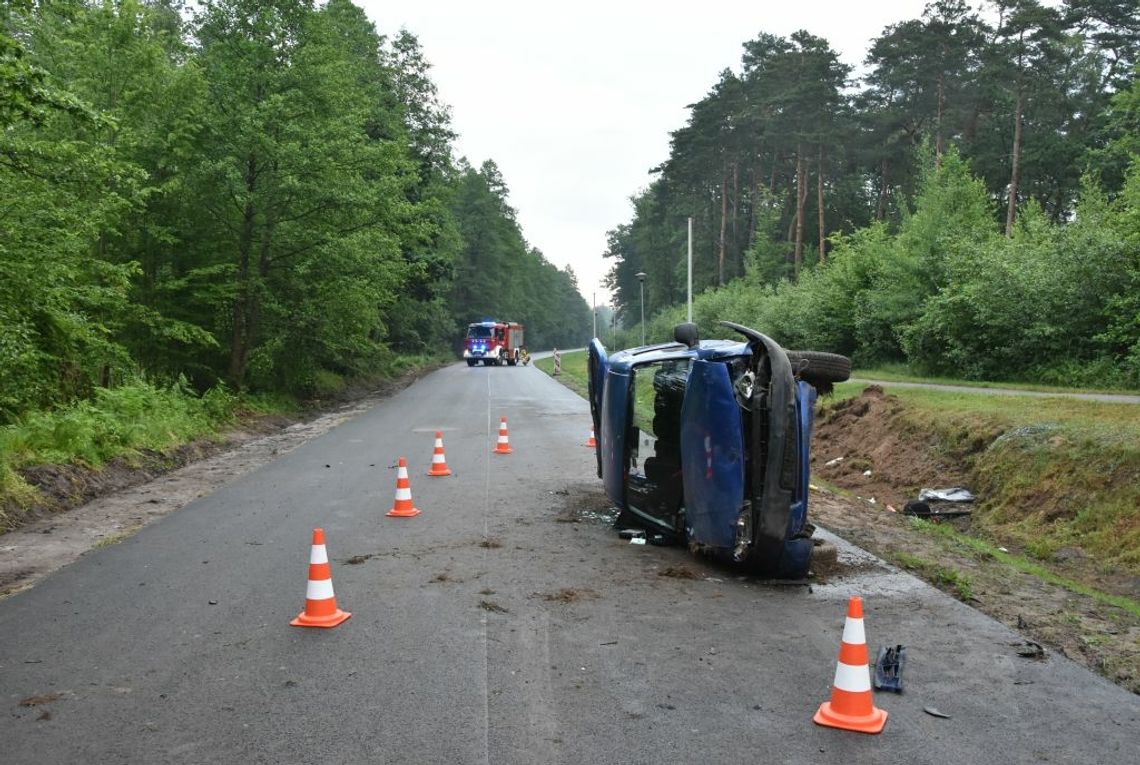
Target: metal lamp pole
(641, 280)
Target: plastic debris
(888, 668)
(957, 494)
(921, 509)
(866, 473)
(834, 462)
(935, 713)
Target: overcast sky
(575, 101)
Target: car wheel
(819, 367)
(470, 362)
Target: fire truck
(493, 342)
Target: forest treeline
(970, 205)
(259, 194)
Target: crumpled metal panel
(712, 456)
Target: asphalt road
(506, 623)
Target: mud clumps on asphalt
(678, 572)
(46, 698)
(493, 607)
(862, 445)
(582, 503)
(569, 595)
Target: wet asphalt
(507, 623)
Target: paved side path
(1111, 398)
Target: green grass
(946, 577)
(573, 370)
(903, 373)
(983, 549)
(1049, 473)
(141, 417)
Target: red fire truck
(493, 342)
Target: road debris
(957, 494)
(935, 713)
(488, 605)
(923, 509)
(888, 668)
(1030, 650)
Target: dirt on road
(849, 501)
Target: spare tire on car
(821, 370)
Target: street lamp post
(641, 280)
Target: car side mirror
(687, 334)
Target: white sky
(574, 101)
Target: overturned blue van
(706, 443)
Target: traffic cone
(851, 706)
(591, 442)
(320, 602)
(503, 446)
(403, 507)
(438, 462)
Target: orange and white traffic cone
(320, 602)
(851, 706)
(438, 461)
(591, 441)
(403, 507)
(503, 446)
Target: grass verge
(982, 548)
(903, 373)
(1052, 474)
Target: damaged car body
(707, 442)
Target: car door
(596, 368)
(712, 456)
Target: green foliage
(497, 275)
(899, 194)
(114, 422)
(948, 295)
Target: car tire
(817, 366)
(470, 362)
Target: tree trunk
(1015, 173)
(939, 147)
(723, 224)
(755, 211)
(819, 201)
(884, 169)
(736, 270)
(801, 203)
(246, 294)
